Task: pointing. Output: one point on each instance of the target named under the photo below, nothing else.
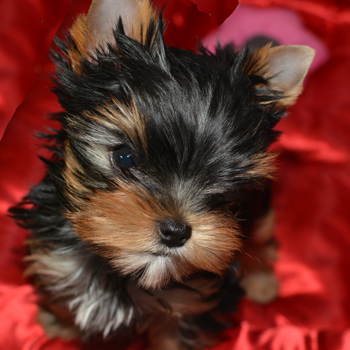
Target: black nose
(174, 233)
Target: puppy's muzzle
(174, 233)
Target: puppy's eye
(122, 158)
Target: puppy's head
(160, 141)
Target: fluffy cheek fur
(122, 226)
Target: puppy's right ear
(95, 30)
(283, 68)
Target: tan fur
(118, 220)
(126, 119)
(291, 99)
(122, 225)
(145, 15)
(80, 34)
(263, 165)
(74, 188)
(86, 39)
(271, 62)
(260, 61)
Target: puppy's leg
(260, 282)
(164, 334)
(174, 318)
(179, 334)
(55, 327)
(260, 251)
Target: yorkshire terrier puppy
(155, 177)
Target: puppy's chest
(193, 297)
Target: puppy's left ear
(95, 31)
(284, 68)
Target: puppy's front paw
(261, 286)
(54, 327)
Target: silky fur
(198, 127)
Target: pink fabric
(279, 23)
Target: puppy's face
(160, 141)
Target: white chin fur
(152, 271)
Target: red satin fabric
(311, 194)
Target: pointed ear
(95, 30)
(285, 68)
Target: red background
(311, 194)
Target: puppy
(161, 159)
